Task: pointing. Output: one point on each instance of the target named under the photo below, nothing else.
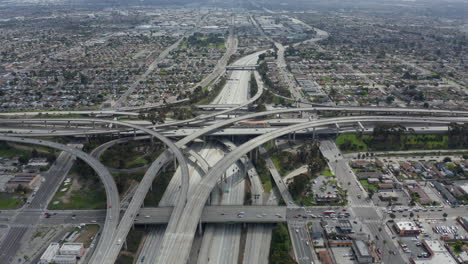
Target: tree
(392, 216)
(34, 153)
(444, 215)
(389, 99)
(332, 93)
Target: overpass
(218, 214)
(242, 67)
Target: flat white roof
(71, 246)
(51, 251)
(406, 225)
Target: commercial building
(463, 222)
(74, 249)
(344, 227)
(49, 253)
(406, 228)
(438, 254)
(65, 259)
(25, 180)
(363, 255)
(388, 196)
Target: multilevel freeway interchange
(193, 195)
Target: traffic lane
(11, 243)
(299, 238)
(52, 180)
(219, 214)
(386, 247)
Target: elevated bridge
(242, 67)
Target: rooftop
(406, 225)
(362, 248)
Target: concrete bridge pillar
(94, 125)
(134, 133)
(45, 123)
(313, 133)
(200, 230)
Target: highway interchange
(202, 172)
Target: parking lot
(413, 247)
(437, 228)
(343, 255)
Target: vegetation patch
(87, 234)
(132, 154)
(280, 246)
(264, 174)
(85, 192)
(26, 152)
(127, 255)
(159, 186)
(389, 137)
(11, 201)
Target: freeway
(258, 238)
(176, 245)
(221, 243)
(113, 210)
(151, 244)
(340, 110)
(230, 131)
(78, 112)
(228, 93)
(231, 47)
(236, 89)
